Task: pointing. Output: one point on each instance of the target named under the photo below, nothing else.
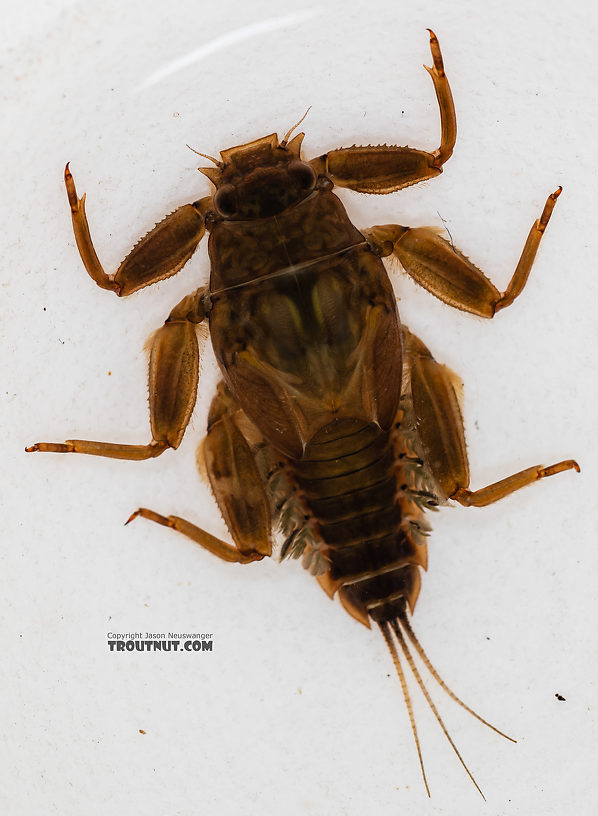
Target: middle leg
(173, 379)
(440, 268)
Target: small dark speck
(44, 308)
(476, 425)
(487, 638)
(141, 731)
(61, 341)
(560, 697)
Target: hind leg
(224, 550)
(434, 390)
(237, 485)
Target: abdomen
(352, 484)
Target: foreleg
(160, 254)
(384, 169)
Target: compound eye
(225, 200)
(302, 174)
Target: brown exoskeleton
(331, 424)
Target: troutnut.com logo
(160, 642)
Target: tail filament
(395, 658)
(403, 632)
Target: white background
(297, 710)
